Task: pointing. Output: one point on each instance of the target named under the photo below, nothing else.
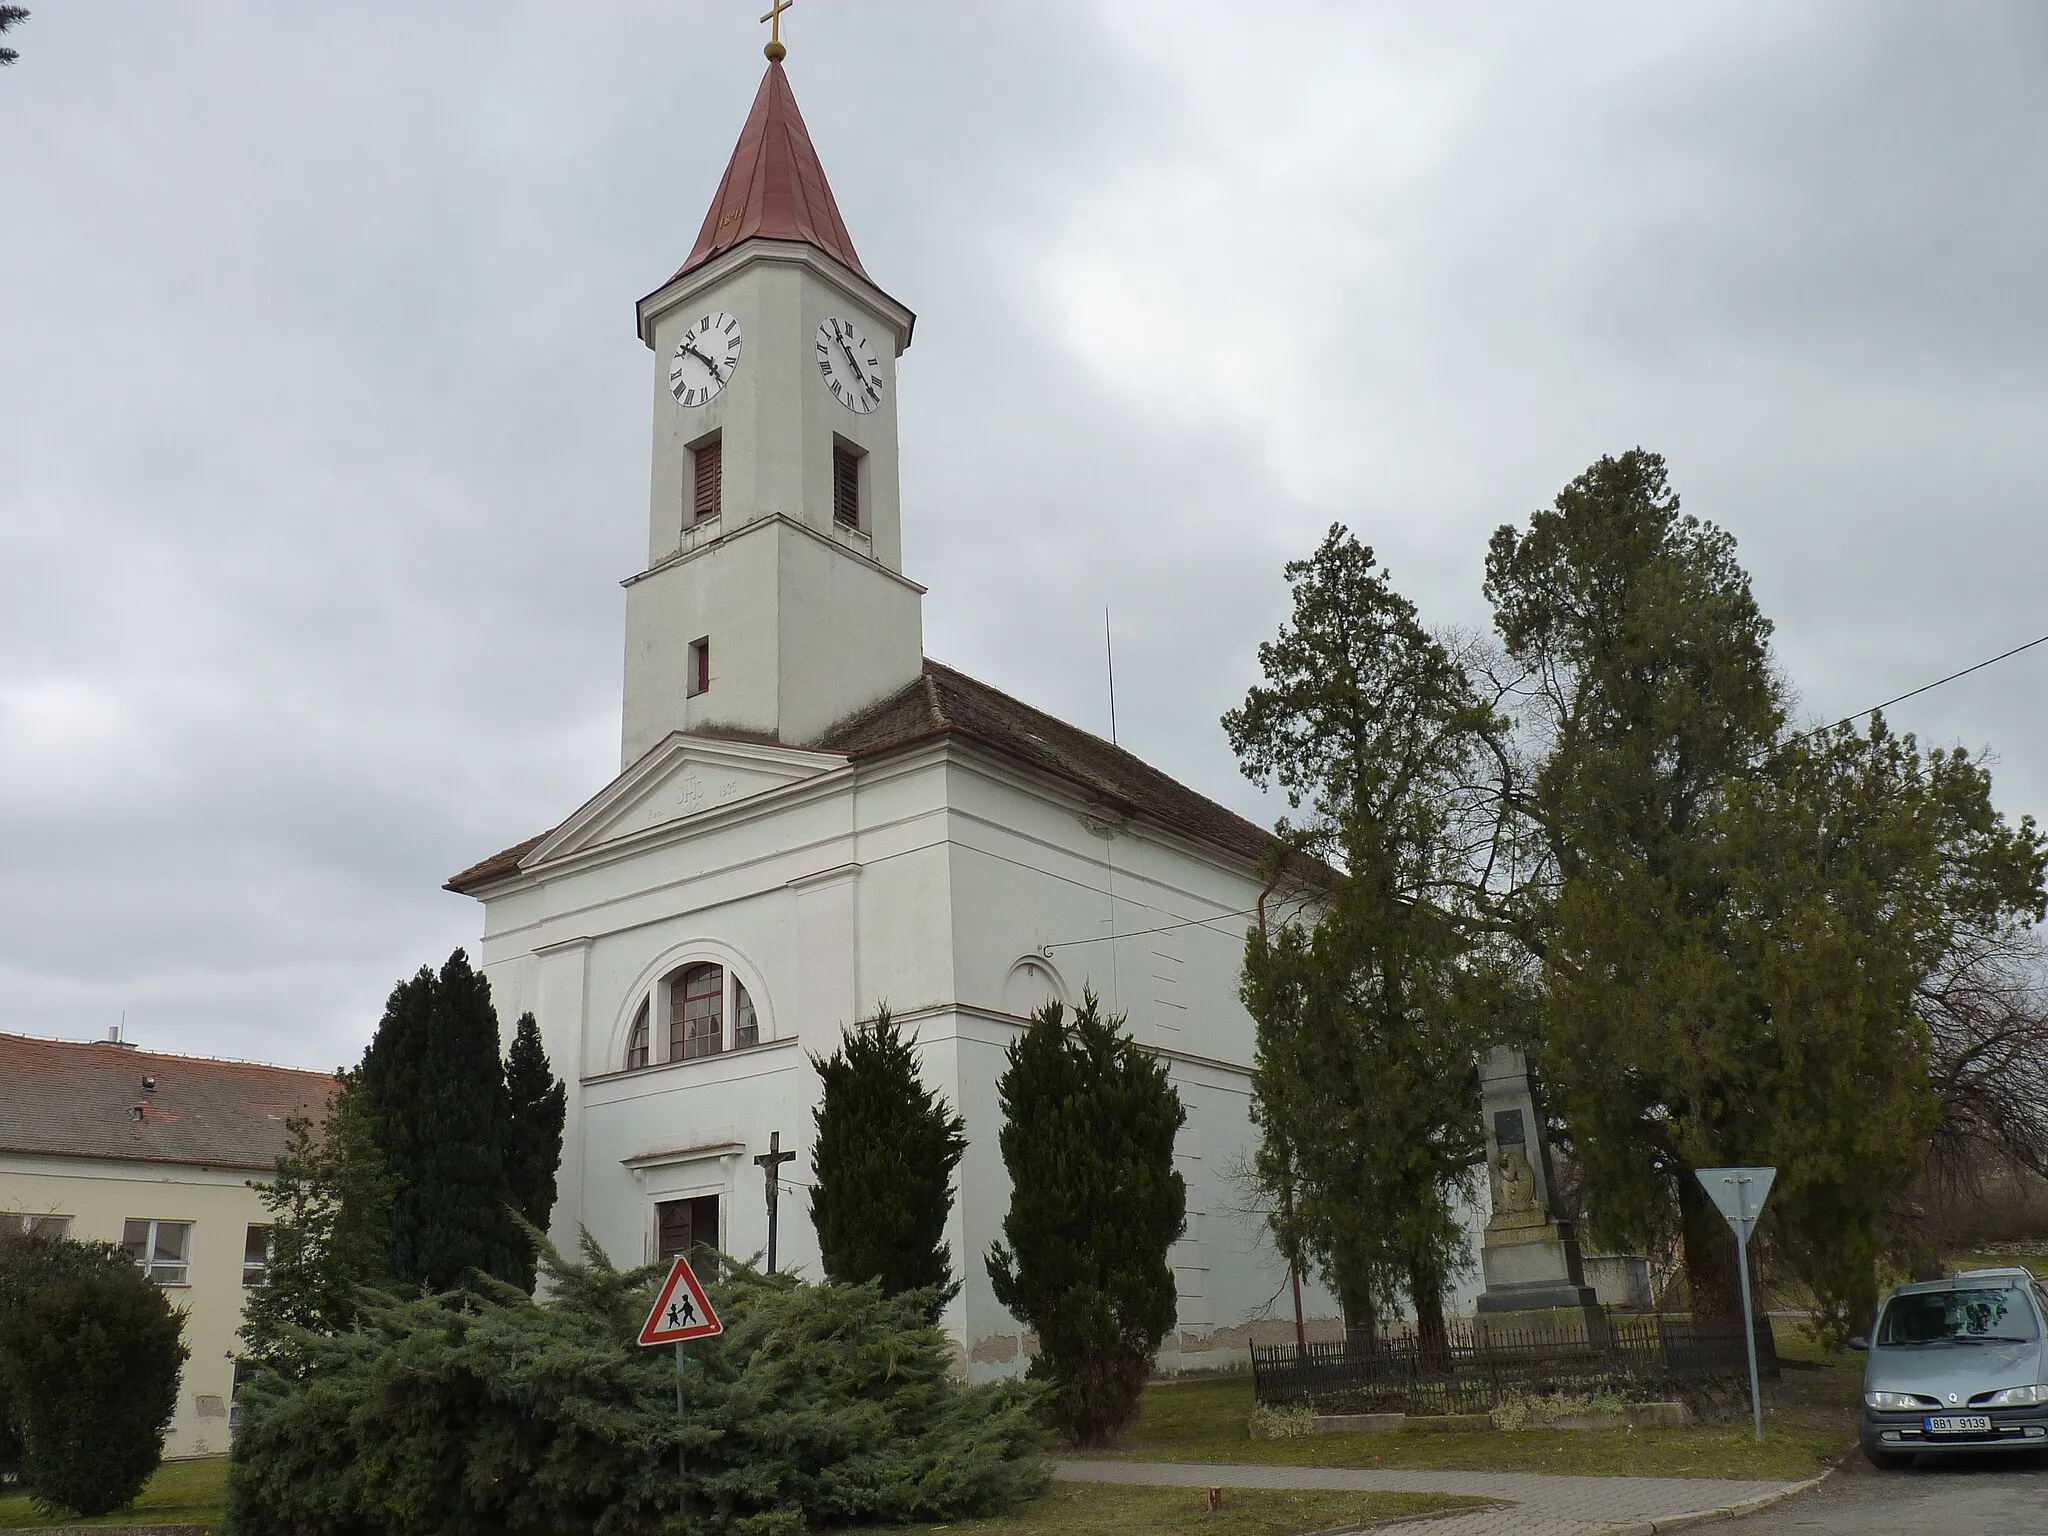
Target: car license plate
(1959, 1424)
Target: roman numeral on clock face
(704, 360)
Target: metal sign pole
(682, 1498)
(672, 1320)
(1756, 1398)
(1739, 1194)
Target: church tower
(774, 602)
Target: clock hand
(852, 361)
(709, 365)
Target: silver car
(1957, 1365)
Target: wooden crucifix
(769, 1163)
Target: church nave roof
(944, 702)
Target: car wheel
(1887, 1461)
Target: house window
(162, 1250)
(256, 1255)
(696, 1019)
(688, 1227)
(637, 1039)
(707, 489)
(846, 487)
(700, 667)
(746, 1028)
(35, 1226)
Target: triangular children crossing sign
(681, 1309)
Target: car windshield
(1992, 1313)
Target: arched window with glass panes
(700, 1008)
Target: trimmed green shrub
(28, 1262)
(1095, 1205)
(488, 1412)
(92, 1361)
(882, 1166)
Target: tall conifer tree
(1364, 1089)
(539, 1106)
(1095, 1204)
(329, 1202)
(1731, 921)
(882, 1165)
(441, 1119)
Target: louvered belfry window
(846, 487)
(710, 482)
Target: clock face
(847, 364)
(705, 359)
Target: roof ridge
(131, 1052)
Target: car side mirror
(1857, 1341)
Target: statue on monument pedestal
(1514, 1204)
(1528, 1254)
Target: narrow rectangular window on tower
(708, 481)
(700, 667)
(845, 487)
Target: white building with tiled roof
(812, 819)
(160, 1154)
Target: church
(813, 819)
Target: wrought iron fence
(1481, 1363)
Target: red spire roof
(774, 187)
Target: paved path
(1985, 1496)
(1543, 1504)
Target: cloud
(323, 434)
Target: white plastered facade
(953, 883)
(808, 618)
(946, 881)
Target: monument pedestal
(1535, 1277)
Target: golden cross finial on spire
(775, 51)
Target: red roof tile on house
(774, 186)
(945, 703)
(59, 1098)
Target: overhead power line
(1192, 922)
(1913, 693)
(1989, 661)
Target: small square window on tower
(707, 487)
(846, 486)
(700, 667)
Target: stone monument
(1529, 1254)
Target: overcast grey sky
(324, 429)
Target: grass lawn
(1111, 1508)
(182, 1493)
(2036, 1261)
(1805, 1432)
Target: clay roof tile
(59, 1098)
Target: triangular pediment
(683, 778)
